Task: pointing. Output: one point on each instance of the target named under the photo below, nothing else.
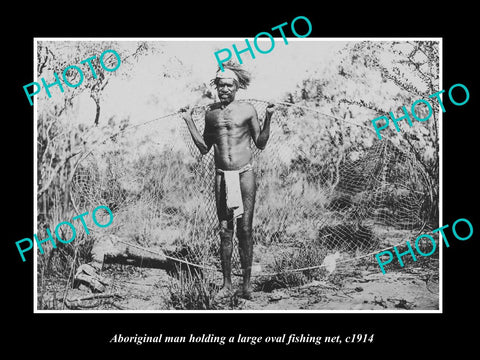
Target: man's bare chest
(227, 119)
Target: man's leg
(244, 229)
(226, 232)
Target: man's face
(226, 90)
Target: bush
(308, 255)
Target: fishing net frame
(315, 187)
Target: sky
(147, 94)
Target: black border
(402, 333)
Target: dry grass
(191, 291)
(307, 255)
(160, 199)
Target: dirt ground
(352, 286)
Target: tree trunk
(97, 110)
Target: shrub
(308, 255)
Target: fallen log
(114, 250)
(139, 258)
(142, 257)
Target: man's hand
(186, 113)
(270, 109)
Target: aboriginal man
(229, 126)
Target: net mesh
(319, 186)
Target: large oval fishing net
(323, 185)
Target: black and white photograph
(173, 180)
(226, 179)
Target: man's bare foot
(244, 293)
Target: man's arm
(201, 142)
(260, 138)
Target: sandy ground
(352, 286)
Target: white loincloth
(233, 192)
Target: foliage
(61, 141)
(308, 254)
(369, 79)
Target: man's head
(226, 88)
(229, 81)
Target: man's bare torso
(229, 131)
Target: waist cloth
(233, 192)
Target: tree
(59, 141)
(73, 53)
(369, 79)
(413, 68)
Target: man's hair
(242, 74)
